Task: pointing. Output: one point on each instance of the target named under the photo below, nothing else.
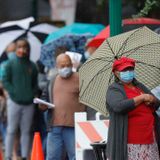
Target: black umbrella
(27, 28)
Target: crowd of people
(21, 81)
(133, 132)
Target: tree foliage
(144, 7)
(148, 7)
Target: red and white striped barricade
(87, 132)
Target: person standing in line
(89, 50)
(10, 53)
(3, 115)
(20, 81)
(133, 134)
(64, 93)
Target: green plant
(148, 7)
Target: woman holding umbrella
(132, 132)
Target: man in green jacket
(20, 81)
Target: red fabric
(122, 63)
(141, 21)
(98, 40)
(140, 120)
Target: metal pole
(115, 17)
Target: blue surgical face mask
(11, 55)
(86, 55)
(65, 72)
(127, 76)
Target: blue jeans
(59, 140)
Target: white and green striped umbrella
(96, 75)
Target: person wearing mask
(89, 50)
(132, 131)
(20, 81)
(10, 52)
(64, 93)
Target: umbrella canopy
(128, 24)
(76, 28)
(26, 28)
(74, 43)
(96, 75)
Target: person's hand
(42, 107)
(149, 99)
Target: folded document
(40, 101)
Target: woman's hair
(2, 91)
(116, 79)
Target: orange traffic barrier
(37, 151)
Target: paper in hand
(75, 57)
(40, 101)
